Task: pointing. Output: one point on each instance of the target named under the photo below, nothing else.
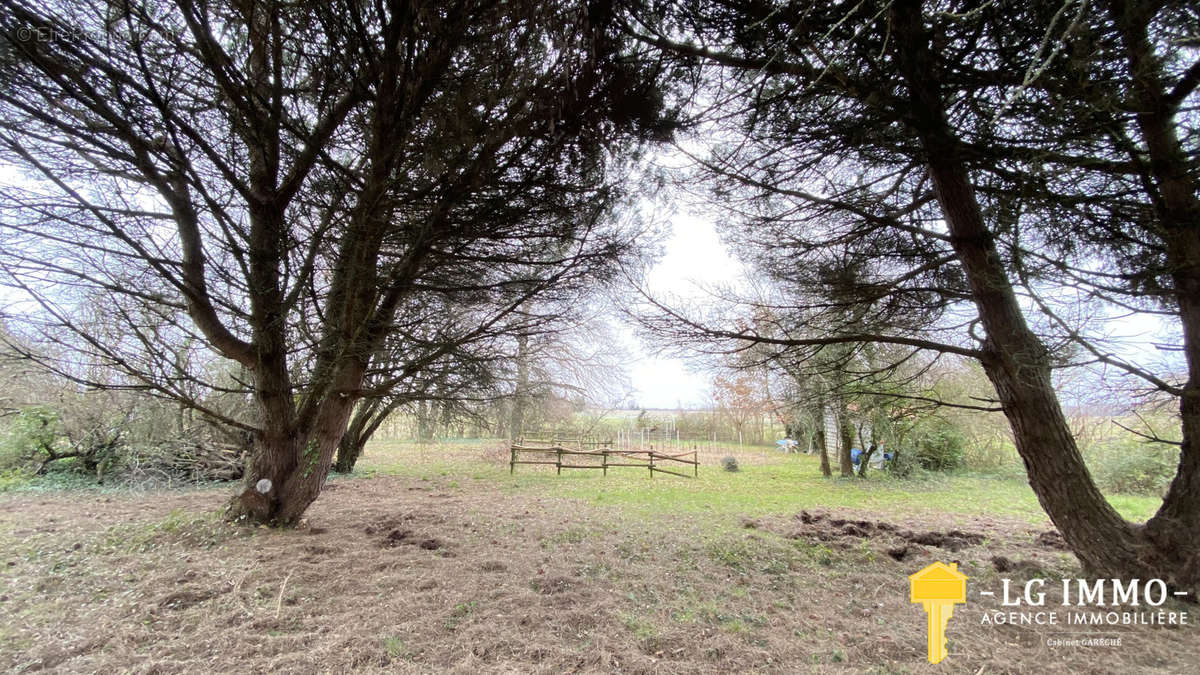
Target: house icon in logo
(938, 587)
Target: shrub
(902, 465)
(12, 459)
(940, 446)
(1132, 467)
(12, 478)
(105, 442)
(32, 436)
(729, 463)
(993, 456)
(40, 439)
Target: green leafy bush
(33, 434)
(131, 445)
(1131, 466)
(729, 463)
(993, 457)
(12, 478)
(940, 446)
(903, 464)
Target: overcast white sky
(693, 258)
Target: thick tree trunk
(865, 459)
(425, 414)
(291, 461)
(286, 477)
(817, 412)
(846, 436)
(350, 448)
(354, 439)
(367, 419)
(1171, 533)
(1015, 360)
(819, 436)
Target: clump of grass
(461, 611)
(729, 463)
(11, 479)
(733, 553)
(642, 628)
(193, 530)
(395, 648)
(573, 535)
(818, 553)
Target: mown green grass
(783, 484)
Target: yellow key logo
(938, 587)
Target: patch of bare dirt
(186, 599)
(554, 584)
(1051, 539)
(1005, 565)
(822, 527)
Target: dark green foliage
(38, 437)
(730, 464)
(351, 192)
(1132, 466)
(131, 442)
(32, 433)
(940, 446)
(902, 465)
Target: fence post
(558, 463)
(696, 466)
(512, 461)
(604, 462)
(652, 464)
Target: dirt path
(405, 575)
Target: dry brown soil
(403, 575)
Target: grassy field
(433, 558)
(768, 482)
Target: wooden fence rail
(628, 458)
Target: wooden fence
(546, 441)
(576, 458)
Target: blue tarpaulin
(857, 453)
